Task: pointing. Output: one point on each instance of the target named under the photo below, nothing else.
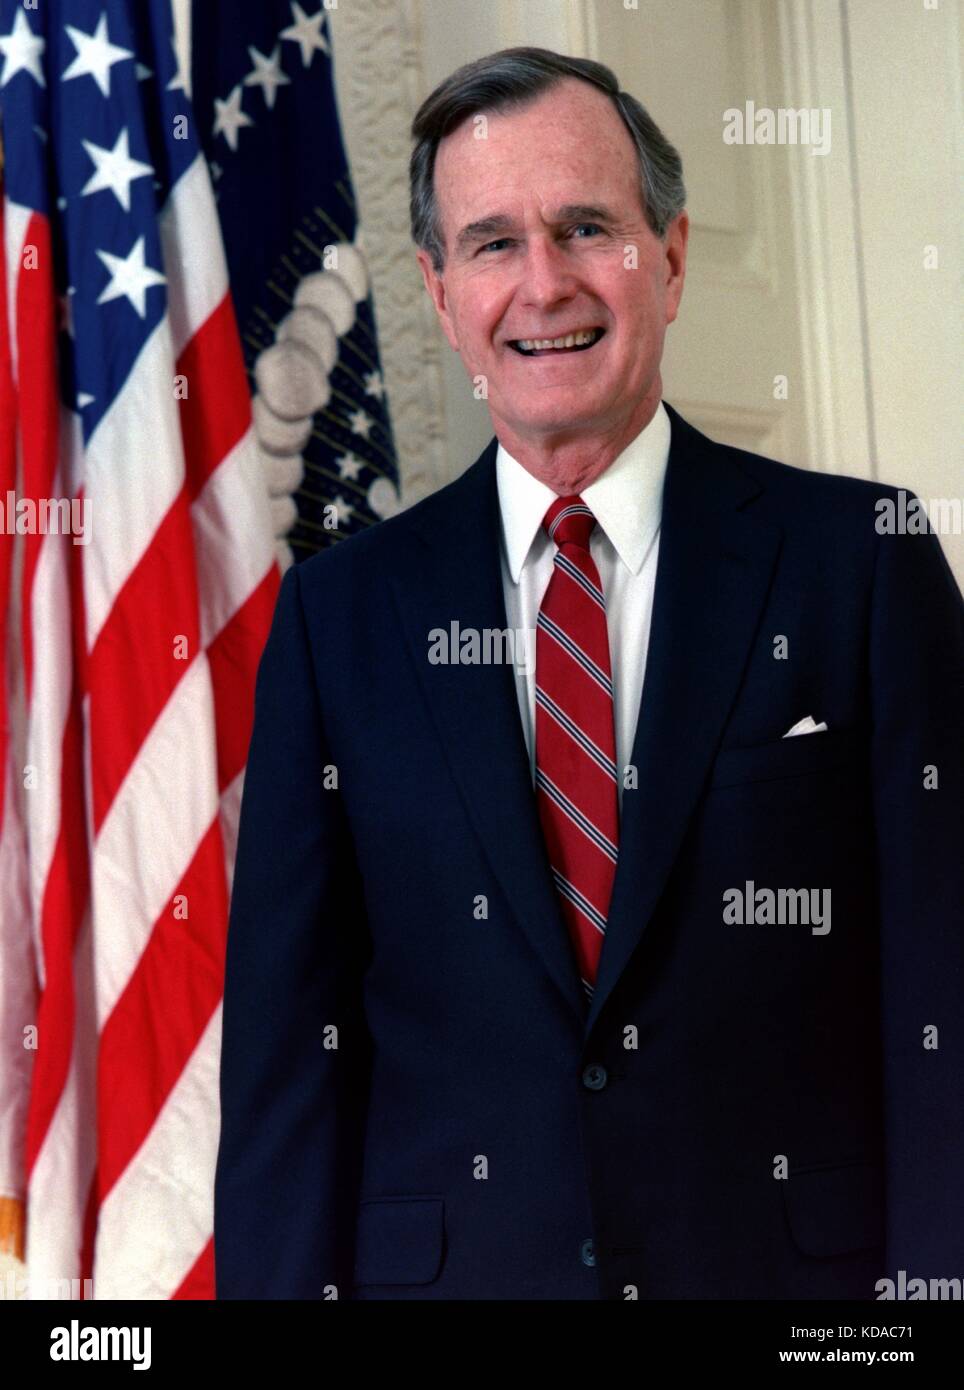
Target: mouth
(580, 341)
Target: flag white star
(267, 73)
(306, 32)
(181, 81)
(114, 169)
(374, 386)
(96, 55)
(349, 466)
(130, 277)
(360, 423)
(21, 50)
(229, 118)
(343, 509)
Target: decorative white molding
(825, 226)
(377, 78)
(759, 431)
(564, 25)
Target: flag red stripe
(198, 1283)
(209, 360)
(135, 653)
(37, 391)
(8, 477)
(233, 657)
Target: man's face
(541, 220)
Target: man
(633, 972)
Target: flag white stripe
(16, 990)
(159, 1215)
(15, 220)
(62, 1175)
(132, 475)
(42, 727)
(191, 243)
(47, 718)
(167, 802)
(233, 502)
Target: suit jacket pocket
(399, 1240)
(786, 757)
(835, 1209)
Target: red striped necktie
(575, 740)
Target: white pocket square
(805, 726)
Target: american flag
(132, 647)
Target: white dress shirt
(626, 501)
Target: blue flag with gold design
(264, 98)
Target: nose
(548, 275)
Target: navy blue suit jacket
(418, 1103)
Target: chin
(550, 425)
(556, 414)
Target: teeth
(580, 339)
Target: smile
(580, 341)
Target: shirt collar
(625, 500)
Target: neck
(569, 461)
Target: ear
(435, 285)
(674, 254)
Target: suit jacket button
(594, 1077)
(586, 1253)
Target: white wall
(905, 77)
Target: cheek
(477, 313)
(635, 291)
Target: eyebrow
(499, 222)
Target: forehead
(567, 145)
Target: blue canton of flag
(263, 91)
(106, 124)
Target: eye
(501, 241)
(591, 226)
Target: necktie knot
(569, 522)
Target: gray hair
(513, 78)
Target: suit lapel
(713, 573)
(452, 574)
